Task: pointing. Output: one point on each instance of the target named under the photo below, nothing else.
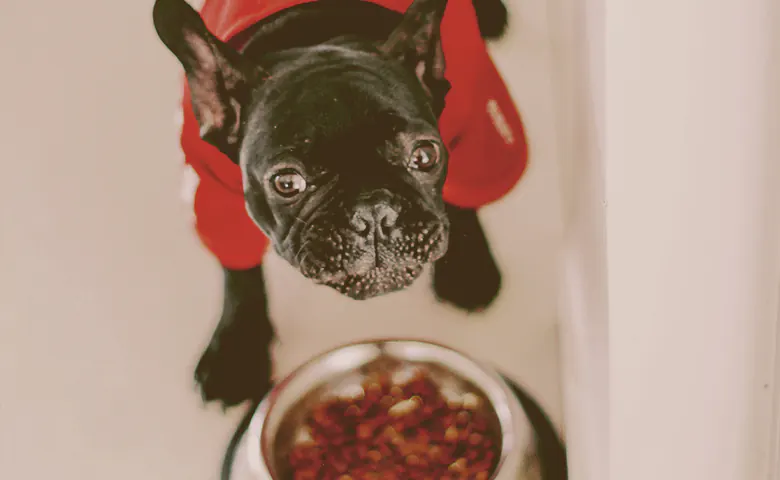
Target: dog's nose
(377, 219)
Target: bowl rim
(264, 424)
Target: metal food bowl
(332, 374)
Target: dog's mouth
(376, 281)
(363, 268)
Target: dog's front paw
(470, 282)
(235, 367)
(467, 275)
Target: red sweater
(480, 125)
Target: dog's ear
(416, 42)
(219, 78)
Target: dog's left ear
(219, 77)
(416, 42)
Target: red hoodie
(480, 126)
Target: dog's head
(342, 162)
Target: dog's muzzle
(378, 248)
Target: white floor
(107, 297)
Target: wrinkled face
(343, 169)
(342, 162)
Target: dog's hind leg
(493, 18)
(236, 365)
(467, 276)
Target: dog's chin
(361, 267)
(375, 282)
(356, 275)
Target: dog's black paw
(492, 17)
(470, 282)
(235, 367)
(467, 276)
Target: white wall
(578, 26)
(672, 261)
(105, 296)
(692, 231)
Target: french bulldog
(329, 110)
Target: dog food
(396, 427)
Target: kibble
(383, 430)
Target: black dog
(330, 109)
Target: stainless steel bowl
(332, 371)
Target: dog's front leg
(467, 275)
(236, 365)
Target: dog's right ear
(219, 77)
(416, 42)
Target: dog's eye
(424, 157)
(288, 183)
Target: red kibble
(462, 418)
(458, 466)
(404, 431)
(434, 453)
(365, 431)
(451, 434)
(352, 411)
